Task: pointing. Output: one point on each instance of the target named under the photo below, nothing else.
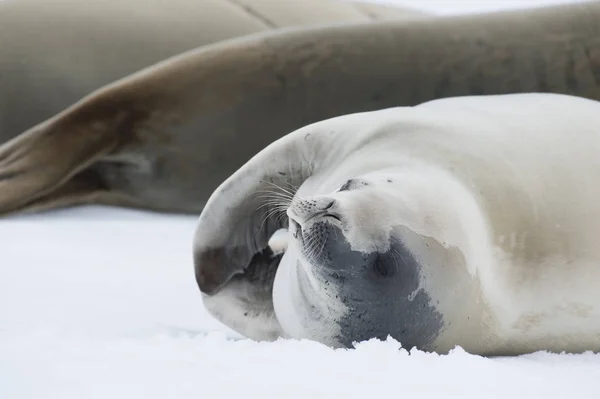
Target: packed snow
(100, 302)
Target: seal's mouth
(296, 228)
(312, 234)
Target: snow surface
(101, 303)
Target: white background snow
(101, 303)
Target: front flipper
(234, 265)
(240, 218)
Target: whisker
(400, 255)
(273, 203)
(310, 245)
(281, 218)
(274, 194)
(322, 247)
(393, 256)
(279, 187)
(274, 197)
(294, 188)
(267, 216)
(277, 201)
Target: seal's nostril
(329, 205)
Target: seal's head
(376, 246)
(353, 271)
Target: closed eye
(353, 184)
(346, 185)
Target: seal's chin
(304, 309)
(310, 235)
(304, 297)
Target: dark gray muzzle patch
(380, 289)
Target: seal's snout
(303, 210)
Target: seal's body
(465, 221)
(164, 138)
(52, 53)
